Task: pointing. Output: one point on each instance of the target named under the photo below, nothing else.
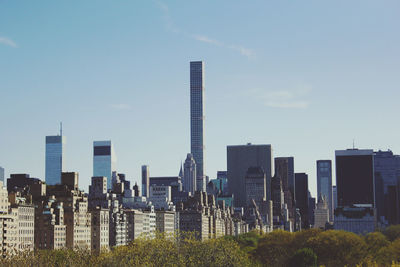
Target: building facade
(239, 159)
(54, 159)
(189, 174)
(104, 160)
(145, 180)
(197, 120)
(324, 184)
(301, 187)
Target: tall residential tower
(197, 120)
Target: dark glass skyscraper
(197, 120)
(301, 187)
(355, 177)
(104, 160)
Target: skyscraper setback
(54, 158)
(197, 120)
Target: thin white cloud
(170, 26)
(288, 99)
(7, 41)
(121, 106)
(205, 39)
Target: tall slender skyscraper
(54, 158)
(197, 120)
(145, 181)
(104, 160)
(324, 184)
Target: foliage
(279, 248)
(392, 232)
(304, 257)
(338, 248)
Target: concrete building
(100, 229)
(25, 221)
(135, 219)
(50, 230)
(77, 217)
(149, 222)
(359, 219)
(255, 186)
(239, 159)
(145, 180)
(321, 213)
(161, 197)
(2, 175)
(324, 184)
(278, 201)
(104, 160)
(189, 175)
(55, 163)
(197, 121)
(165, 222)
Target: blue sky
(307, 77)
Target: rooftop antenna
(353, 143)
(60, 128)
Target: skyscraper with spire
(197, 120)
(54, 158)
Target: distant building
(165, 222)
(189, 175)
(239, 159)
(100, 229)
(355, 177)
(387, 187)
(301, 187)
(135, 220)
(255, 186)
(324, 184)
(277, 200)
(197, 120)
(104, 160)
(145, 180)
(160, 197)
(284, 170)
(359, 219)
(321, 213)
(334, 192)
(311, 210)
(54, 158)
(2, 175)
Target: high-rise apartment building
(255, 186)
(54, 158)
(197, 120)
(324, 184)
(355, 177)
(239, 159)
(189, 175)
(104, 160)
(284, 170)
(145, 180)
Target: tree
(392, 232)
(304, 257)
(389, 254)
(338, 248)
(375, 241)
(275, 249)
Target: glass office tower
(104, 160)
(54, 159)
(197, 120)
(324, 184)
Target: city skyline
(307, 83)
